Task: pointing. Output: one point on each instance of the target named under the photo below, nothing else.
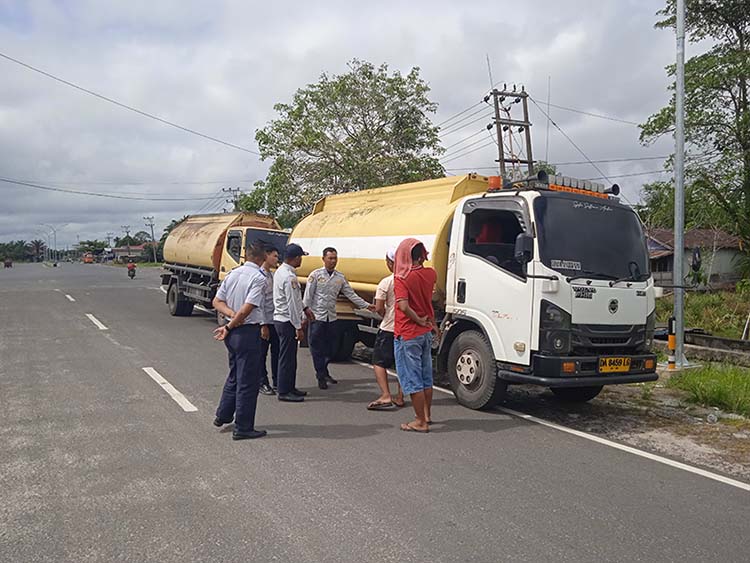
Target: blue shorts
(414, 363)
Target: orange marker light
(649, 364)
(569, 367)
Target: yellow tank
(199, 240)
(363, 225)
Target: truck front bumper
(549, 371)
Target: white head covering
(391, 254)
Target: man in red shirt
(414, 328)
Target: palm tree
(37, 249)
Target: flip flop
(376, 406)
(399, 405)
(409, 428)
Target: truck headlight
(554, 329)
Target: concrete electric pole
(126, 228)
(679, 190)
(150, 223)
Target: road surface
(99, 462)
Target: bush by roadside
(722, 313)
(716, 385)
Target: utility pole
(505, 124)
(150, 223)
(679, 190)
(109, 239)
(126, 228)
(234, 197)
(54, 231)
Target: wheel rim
(172, 297)
(469, 369)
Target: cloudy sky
(218, 68)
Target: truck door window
(234, 245)
(491, 235)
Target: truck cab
(548, 283)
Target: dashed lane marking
(96, 321)
(69, 298)
(178, 397)
(199, 307)
(605, 442)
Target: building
(135, 252)
(719, 252)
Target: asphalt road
(99, 463)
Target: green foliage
(15, 250)
(702, 210)
(722, 313)
(142, 237)
(716, 385)
(717, 117)
(94, 246)
(362, 129)
(127, 240)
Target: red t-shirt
(417, 288)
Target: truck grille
(608, 339)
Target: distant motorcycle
(131, 270)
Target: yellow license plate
(613, 365)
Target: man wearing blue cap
(289, 315)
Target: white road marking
(96, 321)
(70, 298)
(605, 442)
(199, 307)
(178, 397)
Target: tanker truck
(544, 281)
(202, 249)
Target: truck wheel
(347, 338)
(471, 369)
(178, 307)
(576, 394)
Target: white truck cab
(548, 283)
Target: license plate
(613, 365)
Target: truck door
(232, 255)
(490, 285)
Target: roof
(661, 241)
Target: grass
(722, 313)
(716, 385)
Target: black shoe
(322, 384)
(299, 393)
(251, 435)
(290, 398)
(219, 423)
(331, 380)
(265, 389)
(274, 388)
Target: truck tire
(576, 394)
(178, 306)
(347, 337)
(472, 373)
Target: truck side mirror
(696, 262)
(524, 251)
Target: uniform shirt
(287, 299)
(268, 304)
(322, 291)
(417, 288)
(245, 284)
(385, 293)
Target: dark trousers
(273, 344)
(240, 395)
(287, 378)
(322, 338)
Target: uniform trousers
(287, 377)
(322, 339)
(271, 344)
(240, 395)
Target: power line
(458, 114)
(127, 107)
(604, 161)
(629, 175)
(455, 157)
(460, 150)
(455, 126)
(96, 194)
(140, 183)
(472, 122)
(465, 139)
(590, 114)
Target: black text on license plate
(614, 364)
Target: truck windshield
(590, 238)
(277, 239)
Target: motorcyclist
(131, 268)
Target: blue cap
(294, 251)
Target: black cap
(294, 251)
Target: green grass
(716, 385)
(722, 313)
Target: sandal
(378, 406)
(409, 428)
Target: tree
(717, 115)
(37, 248)
(94, 246)
(127, 240)
(142, 237)
(362, 129)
